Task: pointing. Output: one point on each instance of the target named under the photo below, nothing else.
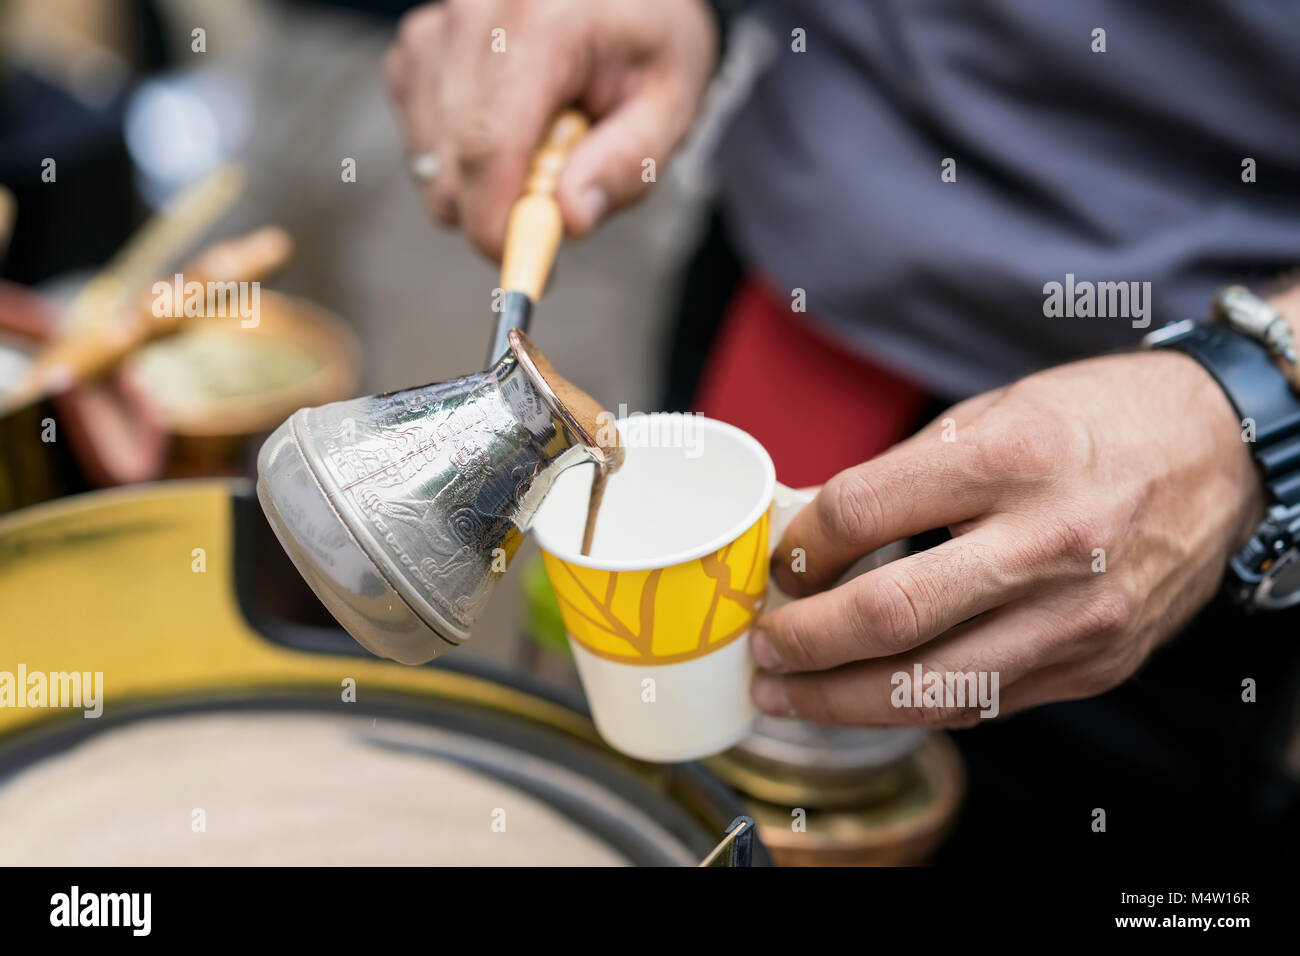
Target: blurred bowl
(217, 386)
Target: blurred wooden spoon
(89, 350)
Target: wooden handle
(91, 351)
(249, 258)
(535, 227)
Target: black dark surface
(83, 217)
(1185, 770)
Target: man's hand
(481, 99)
(1132, 463)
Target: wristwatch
(1241, 354)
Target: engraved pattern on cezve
(438, 475)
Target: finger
(415, 68)
(896, 607)
(984, 657)
(1067, 680)
(496, 138)
(912, 488)
(397, 74)
(411, 68)
(621, 158)
(963, 413)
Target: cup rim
(716, 543)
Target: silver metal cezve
(401, 510)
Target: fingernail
(764, 651)
(592, 202)
(770, 696)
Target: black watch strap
(1258, 391)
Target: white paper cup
(659, 614)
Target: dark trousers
(1183, 767)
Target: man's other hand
(477, 81)
(1093, 509)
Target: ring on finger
(425, 166)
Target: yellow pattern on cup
(668, 614)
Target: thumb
(618, 161)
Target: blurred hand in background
(476, 82)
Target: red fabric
(815, 407)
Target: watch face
(1281, 584)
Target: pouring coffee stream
(598, 481)
(402, 510)
(533, 236)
